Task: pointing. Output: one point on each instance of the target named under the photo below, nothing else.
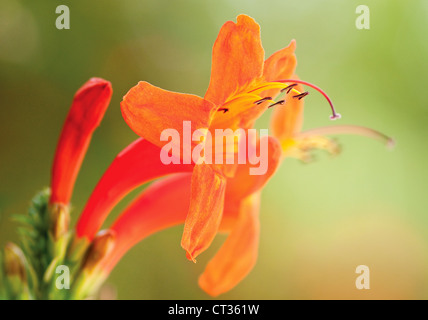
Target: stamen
(335, 114)
(276, 103)
(289, 88)
(223, 109)
(262, 100)
(301, 96)
(350, 129)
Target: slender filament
(350, 129)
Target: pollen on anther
(276, 103)
(289, 88)
(262, 100)
(301, 96)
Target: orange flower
(165, 203)
(236, 97)
(207, 198)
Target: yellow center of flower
(254, 95)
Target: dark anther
(279, 102)
(223, 109)
(289, 88)
(302, 95)
(262, 100)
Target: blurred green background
(319, 221)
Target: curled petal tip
(190, 257)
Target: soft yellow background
(319, 221)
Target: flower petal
(287, 120)
(237, 59)
(149, 110)
(135, 165)
(280, 65)
(86, 112)
(243, 183)
(238, 255)
(163, 204)
(205, 211)
(242, 113)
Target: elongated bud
(14, 262)
(60, 220)
(135, 165)
(15, 270)
(86, 112)
(100, 247)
